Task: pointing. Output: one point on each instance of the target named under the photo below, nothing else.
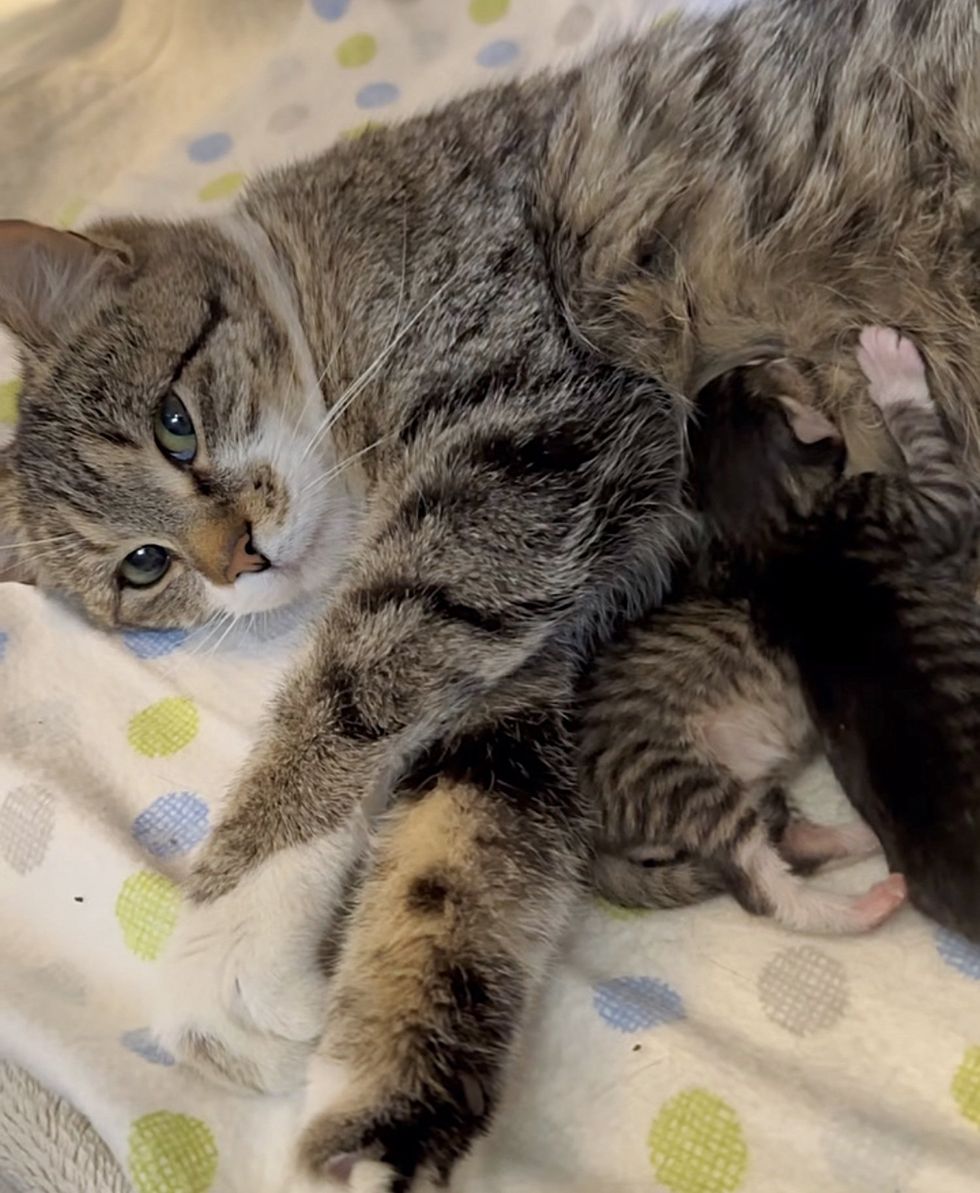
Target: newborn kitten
(875, 600)
(860, 620)
(693, 725)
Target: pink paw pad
(882, 900)
(892, 365)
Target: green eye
(174, 430)
(144, 566)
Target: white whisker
(356, 387)
(332, 473)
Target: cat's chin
(260, 592)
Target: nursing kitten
(692, 726)
(859, 634)
(874, 599)
(435, 372)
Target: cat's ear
(15, 562)
(48, 277)
(806, 422)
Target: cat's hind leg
(469, 891)
(764, 883)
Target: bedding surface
(696, 1051)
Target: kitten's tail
(629, 883)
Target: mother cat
(437, 372)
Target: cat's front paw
(894, 369)
(235, 1000)
(373, 1138)
(242, 993)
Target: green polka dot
(9, 396)
(164, 728)
(357, 50)
(485, 12)
(146, 909)
(351, 134)
(615, 912)
(696, 1145)
(966, 1086)
(222, 187)
(172, 1153)
(70, 213)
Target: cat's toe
(233, 1002)
(368, 1138)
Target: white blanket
(697, 1051)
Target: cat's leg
(447, 946)
(245, 974)
(508, 542)
(764, 884)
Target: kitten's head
(161, 470)
(760, 453)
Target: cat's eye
(144, 566)
(174, 431)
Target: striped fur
(501, 304)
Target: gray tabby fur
(499, 304)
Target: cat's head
(761, 453)
(164, 466)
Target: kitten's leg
(806, 843)
(448, 944)
(937, 511)
(764, 884)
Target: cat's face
(165, 466)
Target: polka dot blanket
(696, 1051)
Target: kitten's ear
(47, 277)
(14, 563)
(806, 422)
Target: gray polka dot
(284, 120)
(26, 825)
(574, 25)
(803, 990)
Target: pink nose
(244, 558)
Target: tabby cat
(437, 371)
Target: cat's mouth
(302, 561)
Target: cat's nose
(245, 557)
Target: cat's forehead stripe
(216, 313)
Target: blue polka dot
(498, 53)
(209, 147)
(140, 1041)
(959, 952)
(4, 639)
(330, 10)
(172, 824)
(635, 1003)
(376, 95)
(153, 644)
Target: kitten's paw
(236, 1000)
(894, 369)
(880, 902)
